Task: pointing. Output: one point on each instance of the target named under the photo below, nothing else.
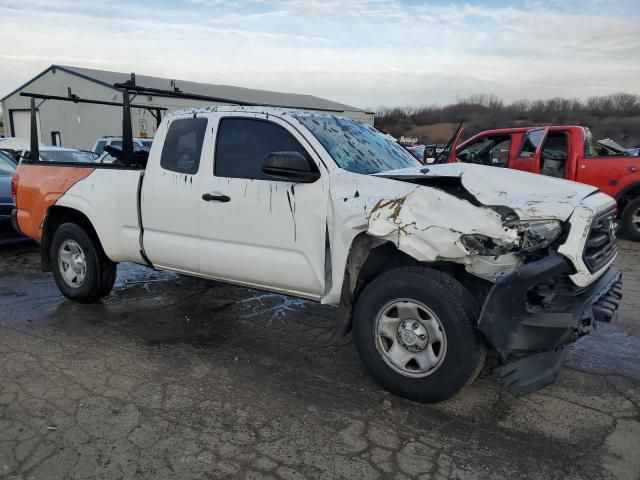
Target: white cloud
(362, 52)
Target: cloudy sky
(365, 53)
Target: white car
(21, 146)
(98, 146)
(429, 265)
(105, 157)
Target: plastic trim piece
(530, 338)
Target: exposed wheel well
(55, 217)
(369, 257)
(627, 195)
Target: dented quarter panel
(351, 199)
(423, 222)
(428, 223)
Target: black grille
(601, 246)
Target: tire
(80, 268)
(630, 220)
(443, 305)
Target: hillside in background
(614, 116)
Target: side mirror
(290, 166)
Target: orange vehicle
(565, 152)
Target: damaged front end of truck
(543, 258)
(535, 252)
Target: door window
(531, 143)
(554, 154)
(243, 146)
(491, 151)
(183, 145)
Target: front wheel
(630, 220)
(81, 270)
(414, 328)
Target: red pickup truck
(565, 152)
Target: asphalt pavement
(175, 377)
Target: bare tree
(616, 115)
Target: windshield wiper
(443, 156)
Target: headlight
(486, 246)
(538, 233)
(533, 234)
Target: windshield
(356, 146)
(73, 156)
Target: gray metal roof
(222, 91)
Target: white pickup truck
(429, 266)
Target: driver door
(528, 157)
(256, 230)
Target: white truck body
(310, 239)
(269, 227)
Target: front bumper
(530, 334)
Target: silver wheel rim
(410, 338)
(635, 219)
(72, 263)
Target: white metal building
(78, 125)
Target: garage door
(21, 120)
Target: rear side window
(183, 145)
(531, 143)
(243, 145)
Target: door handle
(207, 197)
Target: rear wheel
(630, 220)
(414, 330)
(81, 270)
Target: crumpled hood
(530, 195)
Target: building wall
(81, 124)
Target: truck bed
(106, 193)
